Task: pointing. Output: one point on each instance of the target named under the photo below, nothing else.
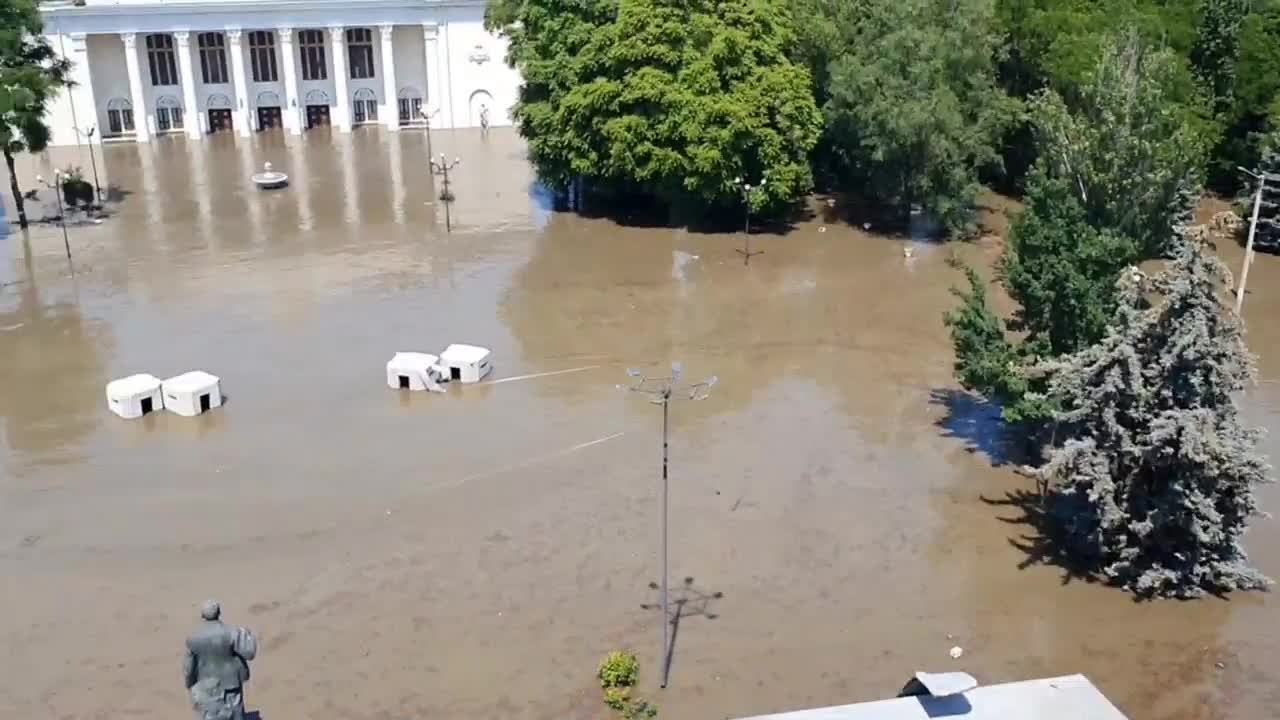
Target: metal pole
(1248, 249)
(746, 256)
(448, 223)
(62, 215)
(93, 162)
(666, 617)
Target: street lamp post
(442, 168)
(427, 117)
(62, 215)
(747, 188)
(93, 162)
(1262, 179)
(662, 391)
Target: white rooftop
(134, 385)
(1071, 697)
(190, 381)
(418, 360)
(464, 353)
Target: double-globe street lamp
(442, 168)
(747, 189)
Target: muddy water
(472, 555)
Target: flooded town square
(838, 514)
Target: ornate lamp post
(442, 168)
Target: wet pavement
(474, 554)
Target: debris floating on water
(956, 652)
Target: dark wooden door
(317, 116)
(269, 118)
(219, 120)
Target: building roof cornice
(64, 9)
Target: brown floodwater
(474, 554)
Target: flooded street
(474, 554)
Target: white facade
(148, 67)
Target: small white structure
(414, 371)
(466, 363)
(270, 179)
(192, 393)
(134, 396)
(947, 695)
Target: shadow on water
(976, 422)
(689, 601)
(1043, 542)
(636, 210)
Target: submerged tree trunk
(17, 191)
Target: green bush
(619, 669)
(617, 698)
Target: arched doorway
(119, 116)
(317, 106)
(480, 109)
(219, 109)
(410, 106)
(364, 106)
(168, 113)
(269, 112)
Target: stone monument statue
(217, 666)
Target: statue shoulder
(246, 643)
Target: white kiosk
(134, 396)
(192, 393)
(466, 363)
(414, 371)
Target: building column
(292, 115)
(342, 103)
(436, 99)
(84, 106)
(390, 108)
(193, 121)
(136, 96)
(243, 108)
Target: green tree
(30, 74)
(912, 104)
(1128, 152)
(1217, 44)
(1153, 484)
(673, 98)
(1254, 96)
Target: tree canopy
(913, 108)
(674, 98)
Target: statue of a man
(217, 666)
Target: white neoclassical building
(149, 67)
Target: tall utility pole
(446, 195)
(661, 391)
(747, 188)
(93, 161)
(1262, 179)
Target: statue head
(210, 610)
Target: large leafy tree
(1113, 181)
(30, 74)
(1128, 151)
(1217, 45)
(674, 98)
(1153, 484)
(912, 104)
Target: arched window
(481, 107)
(360, 53)
(366, 106)
(213, 57)
(410, 105)
(218, 101)
(119, 116)
(168, 113)
(266, 98)
(161, 60)
(317, 97)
